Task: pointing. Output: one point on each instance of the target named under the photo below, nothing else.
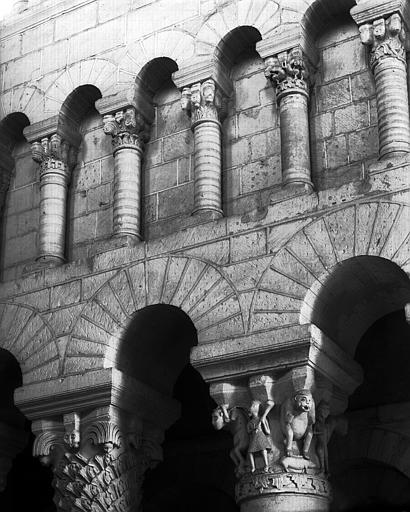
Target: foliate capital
(127, 128)
(202, 102)
(54, 154)
(288, 72)
(386, 38)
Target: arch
(156, 346)
(266, 16)
(196, 287)
(24, 98)
(28, 337)
(100, 73)
(78, 103)
(234, 42)
(376, 444)
(176, 45)
(321, 13)
(296, 273)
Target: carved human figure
(297, 418)
(259, 432)
(323, 430)
(235, 419)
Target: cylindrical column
(53, 155)
(388, 63)
(288, 73)
(202, 101)
(126, 128)
(127, 191)
(207, 167)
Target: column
(282, 418)
(56, 157)
(202, 101)
(98, 459)
(289, 75)
(99, 432)
(385, 37)
(129, 132)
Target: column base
(283, 492)
(208, 213)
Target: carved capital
(54, 154)
(127, 128)
(288, 72)
(202, 102)
(386, 38)
(98, 458)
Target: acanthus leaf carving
(288, 72)
(203, 102)
(127, 127)
(386, 38)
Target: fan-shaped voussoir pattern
(25, 334)
(297, 271)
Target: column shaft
(127, 191)
(294, 130)
(207, 179)
(53, 205)
(392, 106)
(288, 73)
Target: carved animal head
(303, 401)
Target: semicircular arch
(195, 286)
(297, 272)
(27, 335)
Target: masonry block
(87, 176)
(363, 144)
(176, 201)
(99, 197)
(261, 174)
(343, 59)
(171, 118)
(161, 177)
(76, 21)
(336, 151)
(236, 153)
(362, 85)
(37, 37)
(247, 91)
(333, 95)
(84, 228)
(178, 145)
(21, 248)
(351, 118)
(248, 246)
(265, 144)
(256, 120)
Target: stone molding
(288, 72)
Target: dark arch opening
(78, 104)
(237, 41)
(356, 293)
(324, 13)
(155, 74)
(156, 346)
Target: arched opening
(167, 178)
(343, 118)
(89, 203)
(16, 444)
(358, 291)
(360, 305)
(250, 135)
(17, 192)
(155, 349)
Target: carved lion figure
(296, 419)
